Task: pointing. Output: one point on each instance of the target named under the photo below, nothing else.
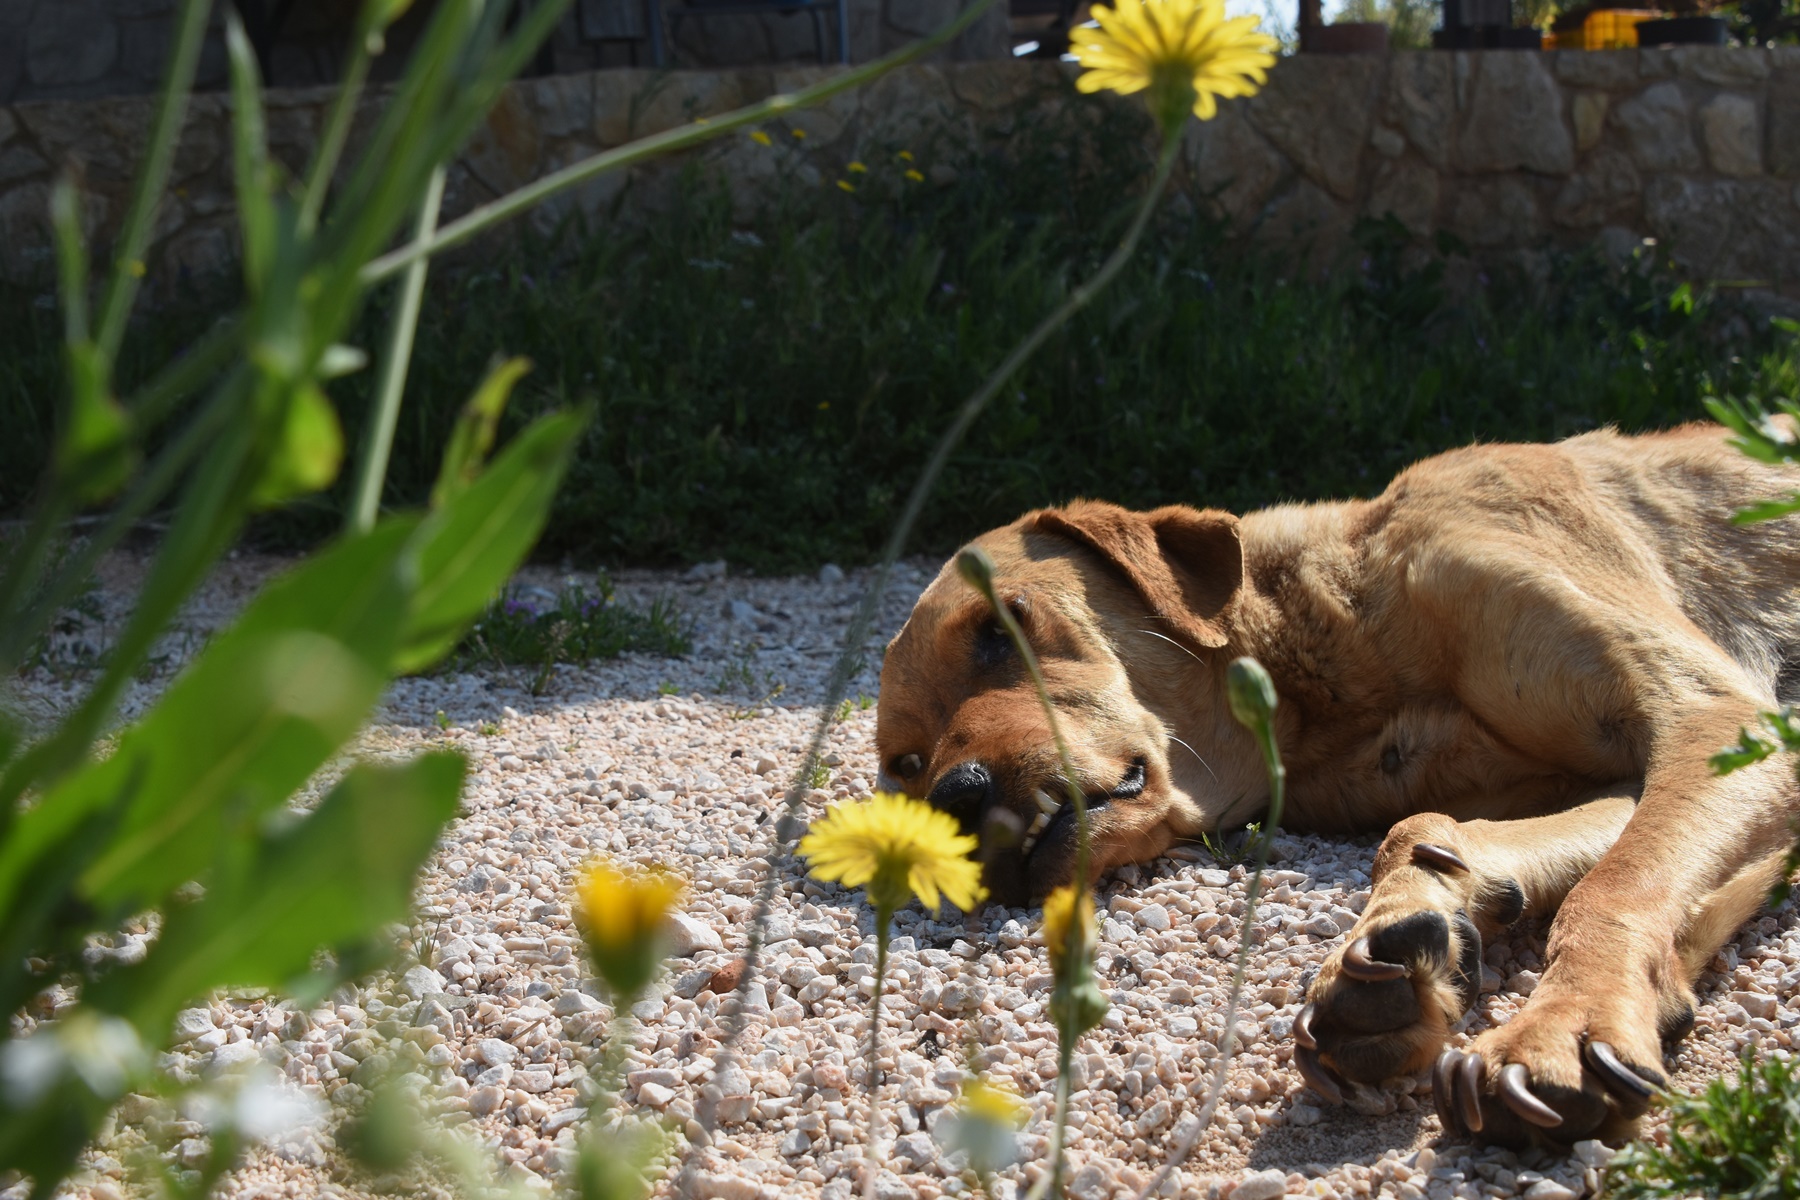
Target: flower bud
(977, 570)
(1251, 692)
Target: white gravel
(682, 763)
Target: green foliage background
(766, 388)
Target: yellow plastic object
(1604, 29)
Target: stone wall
(82, 49)
(1510, 151)
(1698, 147)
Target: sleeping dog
(1515, 662)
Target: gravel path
(683, 762)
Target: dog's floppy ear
(1187, 563)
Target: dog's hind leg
(1383, 1002)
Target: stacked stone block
(1512, 152)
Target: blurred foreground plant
(186, 812)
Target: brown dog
(1516, 661)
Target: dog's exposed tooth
(1038, 824)
(1047, 804)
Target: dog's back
(1632, 519)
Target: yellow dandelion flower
(799, 133)
(137, 268)
(915, 176)
(897, 848)
(857, 168)
(1184, 51)
(624, 911)
(846, 185)
(760, 138)
(993, 1100)
(905, 156)
(1070, 931)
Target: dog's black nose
(964, 792)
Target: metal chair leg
(653, 18)
(843, 31)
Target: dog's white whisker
(1196, 754)
(1165, 637)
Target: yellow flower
(846, 185)
(998, 1102)
(914, 176)
(1185, 51)
(906, 156)
(857, 168)
(1069, 928)
(799, 133)
(137, 268)
(898, 848)
(760, 138)
(624, 912)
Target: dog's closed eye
(993, 645)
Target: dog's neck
(1300, 612)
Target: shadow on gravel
(1342, 1135)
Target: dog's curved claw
(1515, 1092)
(1632, 1090)
(1468, 1092)
(1303, 1028)
(1359, 963)
(1319, 1077)
(1427, 855)
(1443, 1092)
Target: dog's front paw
(1382, 1005)
(1563, 1070)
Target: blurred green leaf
(1767, 510)
(94, 454)
(473, 437)
(324, 879)
(250, 160)
(310, 450)
(471, 546)
(263, 708)
(339, 360)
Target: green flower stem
(1260, 721)
(337, 124)
(683, 137)
(849, 659)
(883, 917)
(378, 443)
